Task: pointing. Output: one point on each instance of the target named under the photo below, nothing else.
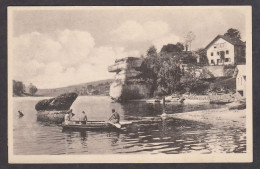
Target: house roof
(233, 41)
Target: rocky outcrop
(51, 116)
(54, 109)
(127, 84)
(61, 102)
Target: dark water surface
(170, 137)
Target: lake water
(173, 136)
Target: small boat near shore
(220, 101)
(173, 98)
(91, 126)
(153, 101)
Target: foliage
(187, 57)
(152, 52)
(224, 86)
(178, 47)
(191, 80)
(169, 74)
(95, 92)
(177, 72)
(195, 86)
(90, 88)
(203, 56)
(233, 33)
(163, 70)
(18, 88)
(159, 92)
(150, 66)
(32, 89)
(98, 89)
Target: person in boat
(83, 118)
(115, 118)
(68, 117)
(20, 113)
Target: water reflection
(163, 136)
(182, 137)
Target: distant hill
(100, 87)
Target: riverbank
(219, 117)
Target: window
(227, 60)
(218, 61)
(212, 61)
(227, 52)
(217, 53)
(215, 46)
(212, 54)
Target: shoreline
(219, 117)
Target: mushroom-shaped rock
(54, 109)
(61, 102)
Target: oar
(117, 125)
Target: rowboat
(173, 98)
(91, 126)
(153, 101)
(220, 101)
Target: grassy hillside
(91, 88)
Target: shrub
(18, 88)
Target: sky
(56, 47)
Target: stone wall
(127, 85)
(216, 71)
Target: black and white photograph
(125, 84)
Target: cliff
(127, 84)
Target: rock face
(51, 116)
(127, 85)
(61, 102)
(54, 109)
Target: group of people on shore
(82, 119)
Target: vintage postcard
(129, 84)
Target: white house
(241, 80)
(224, 50)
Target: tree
(151, 52)
(18, 88)
(169, 74)
(32, 89)
(178, 47)
(83, 90)
(95, 92)
(187, 58)
(203, 59)
(191, 82)
(90, 88)
(149, 67)
(189, 38)
(233, 33)
(76, 90)
(163, 70)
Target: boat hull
(90, 126)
